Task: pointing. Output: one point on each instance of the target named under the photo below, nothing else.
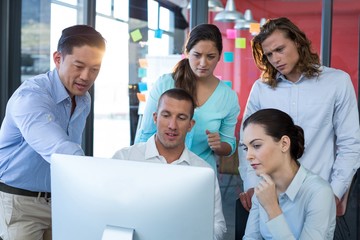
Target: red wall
(307, 15)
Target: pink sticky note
(231, 33)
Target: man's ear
(191, 124)
(57, 58)
(155, 117)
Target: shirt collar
(152, 152)
(296, 183)
(280, 77)
(185, 157)
(60, 91)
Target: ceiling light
(262, 21)
(229, 14)
(215, 6)
(245, 23)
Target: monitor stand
(117, 233)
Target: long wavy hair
(309, 62)
(182, 73)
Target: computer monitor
(98, 198)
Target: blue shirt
(308, 212)
(218, 114)
(326, 108)
(38, 123)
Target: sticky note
(158, 33)
(141, 97)
(142, 86)
(136, 35)
(227, 82)
(254, 28)
(240, 43)
(231, 33)
(228, 56)
(143, 62)
(141, 72)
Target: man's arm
(35, 116)
(347, 131)
(247, 173)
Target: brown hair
(178, 94)
(276, 124)
(182, 73)
(309, 61)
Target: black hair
(78, 36)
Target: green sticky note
(240, 43)
(136, 35)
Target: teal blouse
(218, 114)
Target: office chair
(241, 217)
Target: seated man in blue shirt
(45, 115)
(173, 120)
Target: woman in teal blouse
(217, 104)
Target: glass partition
(111, 99)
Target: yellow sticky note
(254, 28)
(136, 35)
(240, 43)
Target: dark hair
(309, 61)
(78, 36)
(182, 73)
(276, 124)
(179, 94)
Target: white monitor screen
(152, 201)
